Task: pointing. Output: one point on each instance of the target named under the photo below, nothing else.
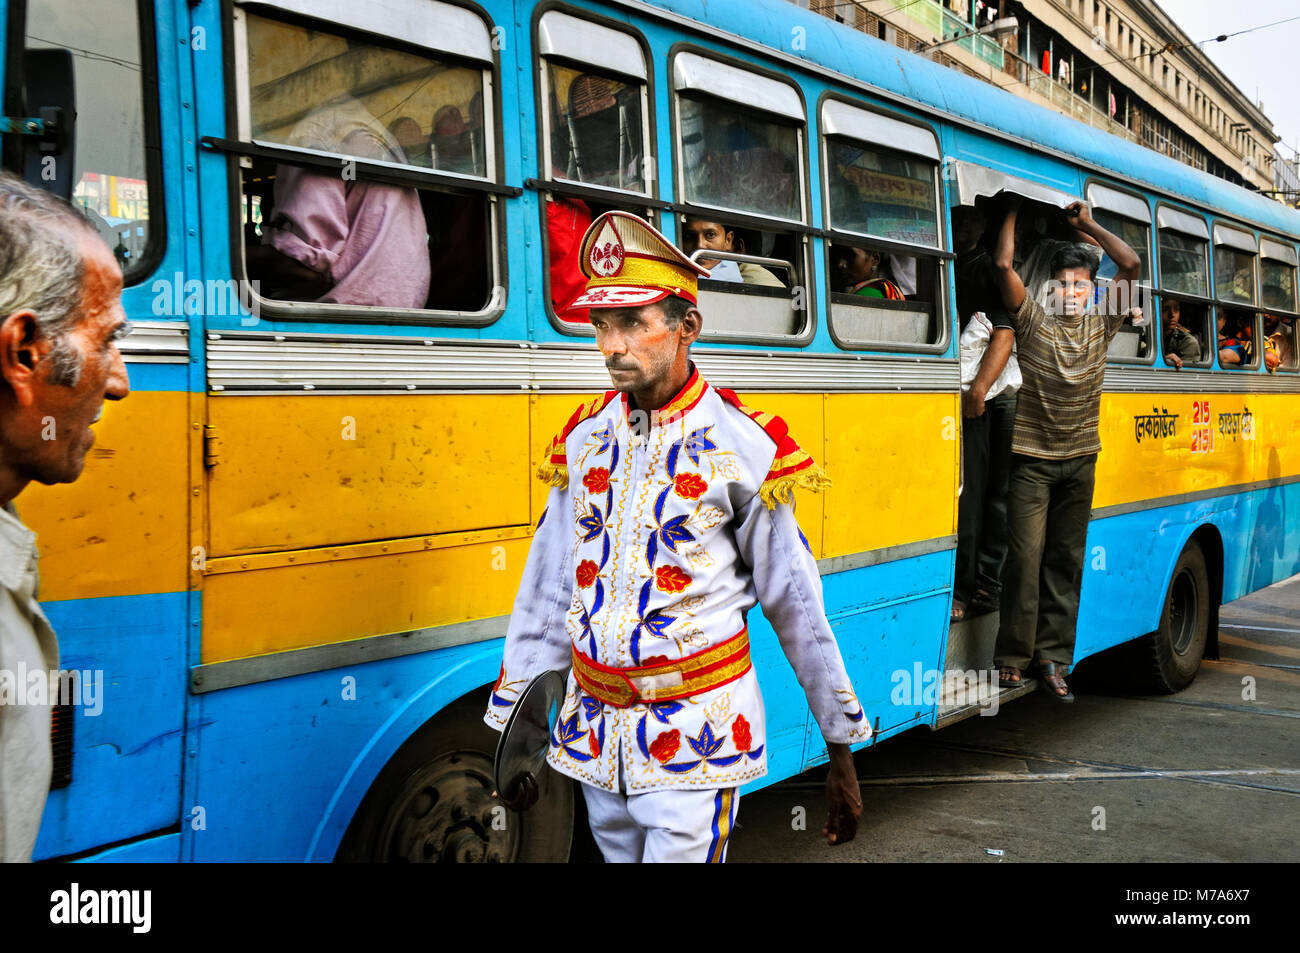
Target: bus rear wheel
(432, 803)
(1166, 660)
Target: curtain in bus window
(739, 160)
(110, 178)
(334, 93)
(1182, 264)
(596, 129)
(882, 194)
(1277, 284)
(1234, 275)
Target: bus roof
(833, 46)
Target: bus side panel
(1130, 559)
(152, 850)
(126, 754)
(284, 764)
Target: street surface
(1202, 776)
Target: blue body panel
(126, 763)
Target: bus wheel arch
(431, 801)
(1166, 660)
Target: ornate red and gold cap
(628, 263)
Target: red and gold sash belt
(666, 681)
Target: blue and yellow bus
(293, 550)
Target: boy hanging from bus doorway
(1062, 354)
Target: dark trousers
(1001, 412)
(982, 508)
(1048, 505)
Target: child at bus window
(1235, 346)
(857, 268)
(1180, 344)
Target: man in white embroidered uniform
(670, 515)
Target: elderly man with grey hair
(60, 318)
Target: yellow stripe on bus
(1160, 445)
(122, 528)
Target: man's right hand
(1176, 361)
(972, 402)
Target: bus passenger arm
(1009, 284)
(1126, 261)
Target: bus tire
(1168, 658)
(432, 802)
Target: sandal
(1053, 677)
(958, 611)
(985, 602)
(1008, 677)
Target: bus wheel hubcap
(446, 814)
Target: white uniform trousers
(662, 826)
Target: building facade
(1119, 65)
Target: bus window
(1279, 338)
(884, 257)
(595, 130)
(1237, 338)
(1234, 265)
(596, 135)
(741, 172)
(321, 223)
(1277, 276)
(113, 181)
(1277, 281)
(1127, 216)
(1184, 241)
(1185, 332)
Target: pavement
(1209, 774)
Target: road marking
(1258, 628)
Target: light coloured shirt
(369, 239)
(657, 549)
(27, 645)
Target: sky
(1261, 63)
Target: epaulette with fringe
(554, 468)
(792, 466)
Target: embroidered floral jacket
(659, 535)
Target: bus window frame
(1147, 288)
(1294, 311)
(491, 187)
(1294, 315)
(545, 184)
(1207, 360)
(1158, 267)
(1235, 226)
(802, 229)
(155, 248)
(941, 253)
(1256, 338)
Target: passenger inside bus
(1180, 344)
(1280, 341)
(858, 273)
(699, 233)
(336, 240)
(1236, 349)
(595, 130)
